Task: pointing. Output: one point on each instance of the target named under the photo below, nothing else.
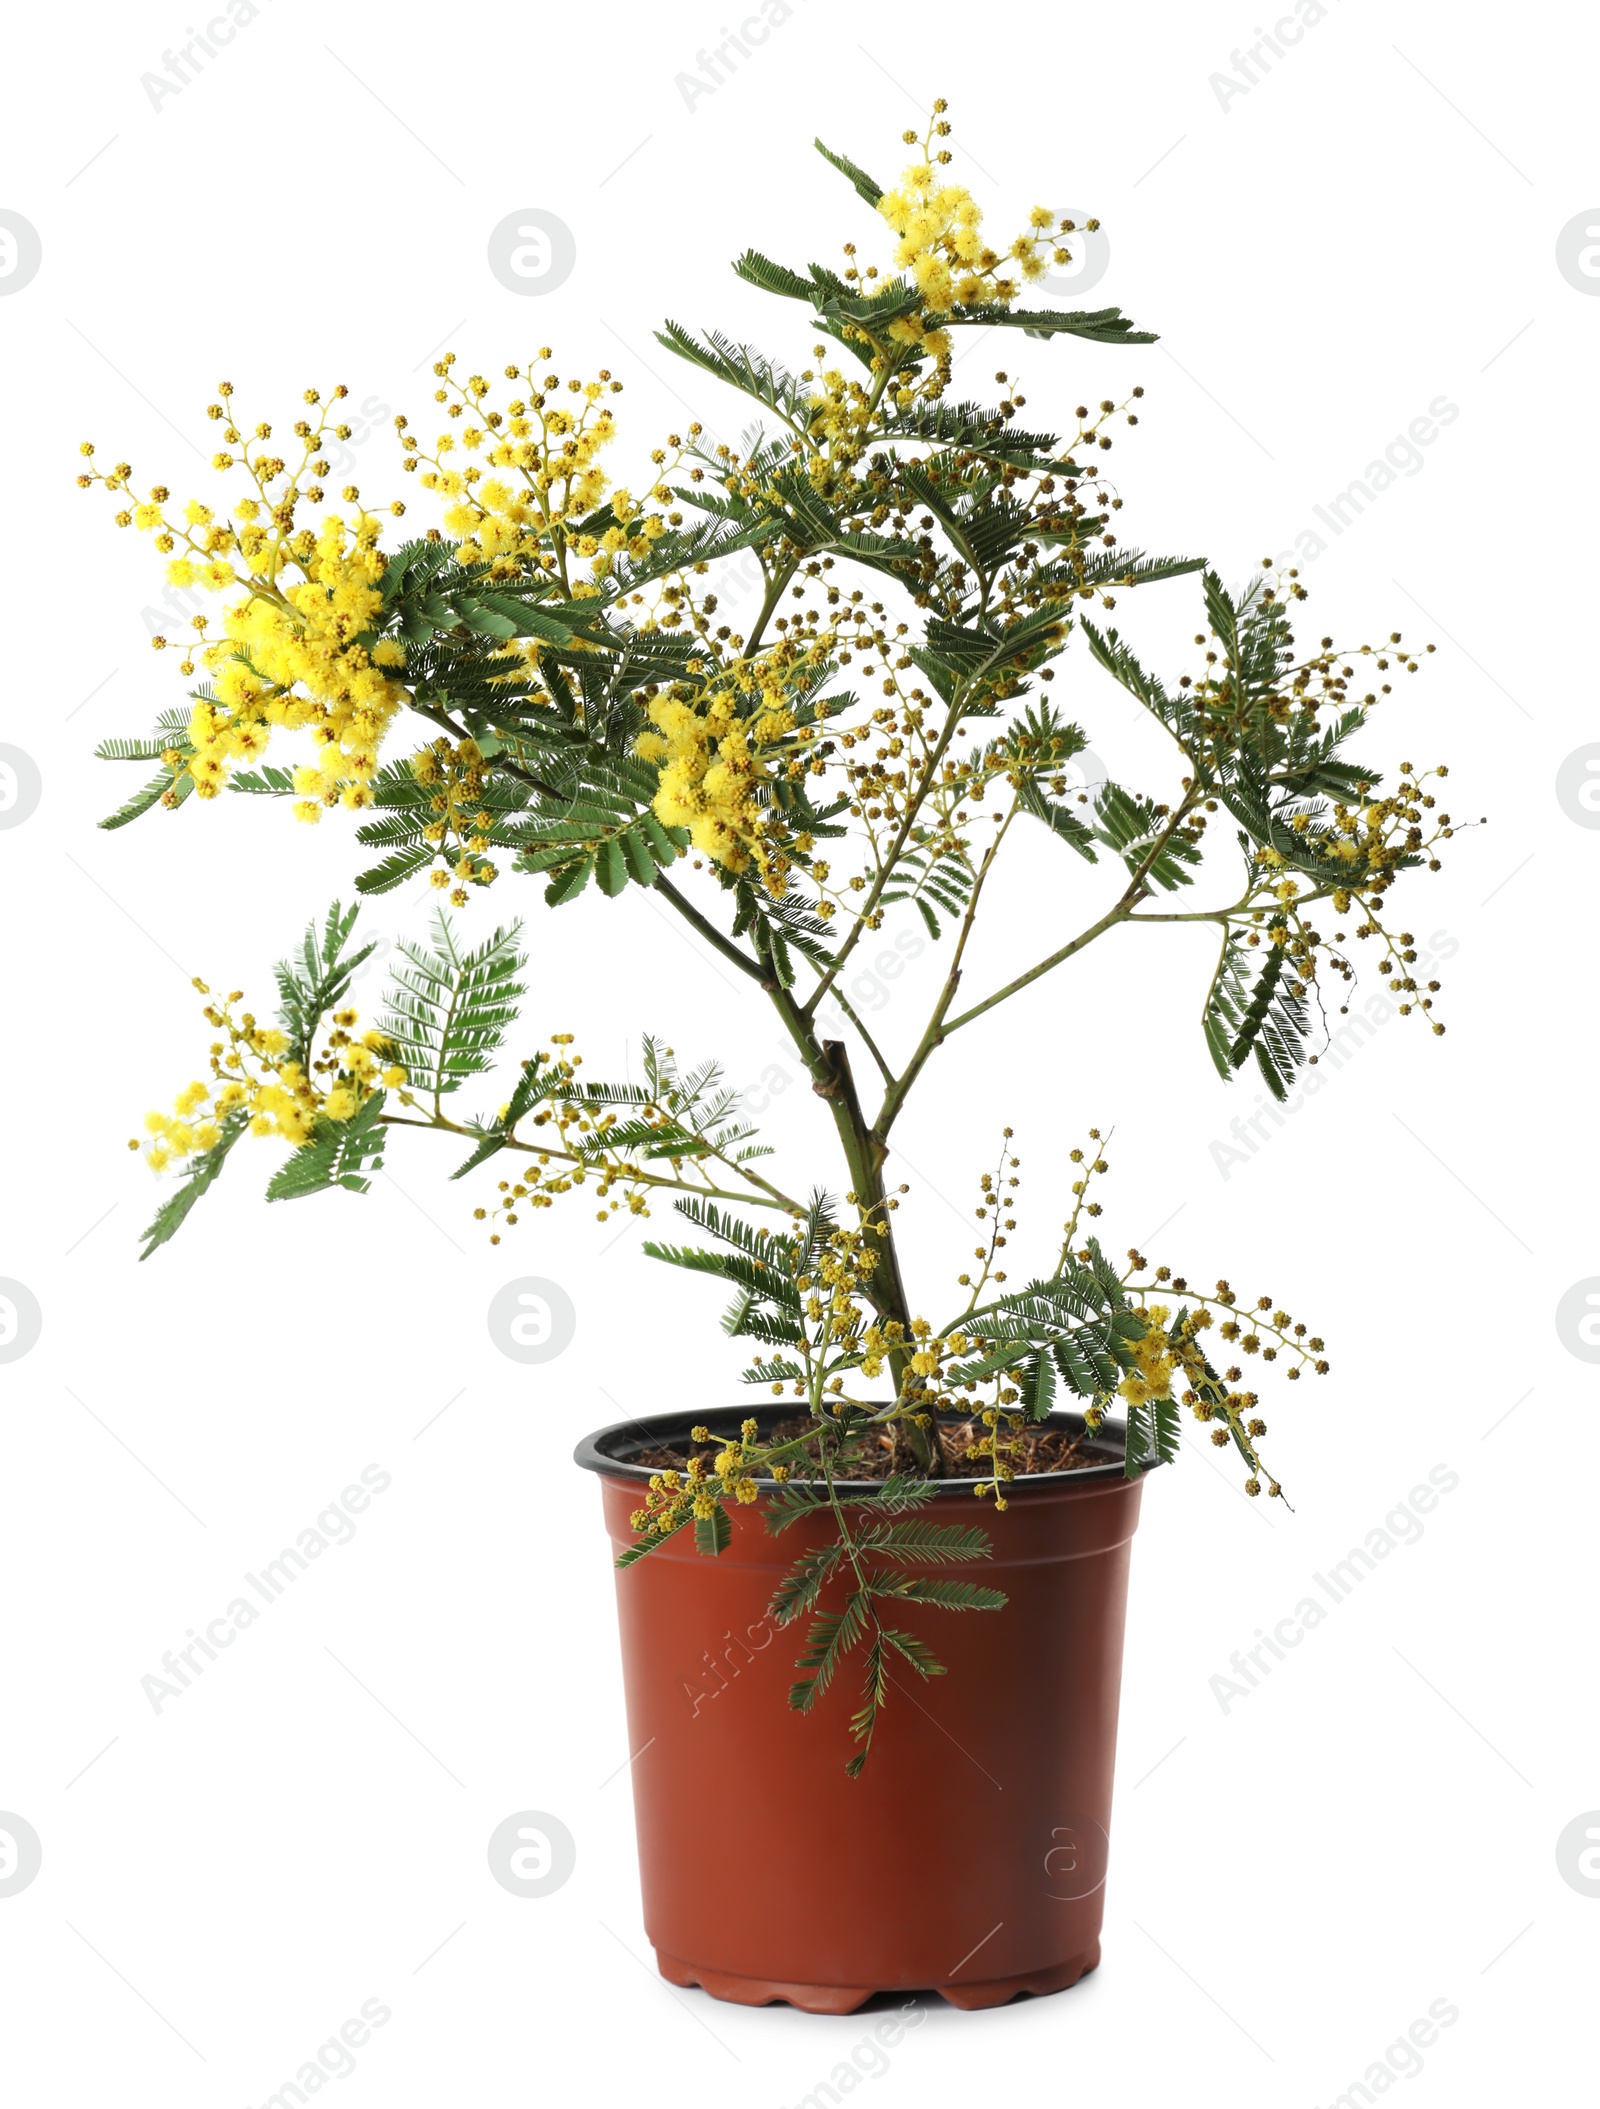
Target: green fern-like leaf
(946, 1593)
(1267, 1018)
(750, 371)
(713, 1534)
(631, 1555)
(930, 878)
(198, 1176)
(1152, 1436)
(1131, 826)
(316, 979)
(865, 1719)
(148, 795)
(1096, 325)
(172, 731)
(447, 1009)
(865, 187)
(789, 1504)
(830, 1639)
(340, 1153)
(932, 1542)
(761, 271)
(266, 782)
(917, 1652)
(797, 1593)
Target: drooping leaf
(198, 1176)
(1267, 1018)
(340, 1153)
(713, 1534)
(864, 185)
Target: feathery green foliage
(340, 1153)
(448, 1008)
(196, 1178)
(788, 688)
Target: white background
(1371, 226)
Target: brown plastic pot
(969, 1858)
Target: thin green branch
(867, 1040)
(936, 1028)
(714, 937)
(902, 835)
(1133, 893)
(768, 1195)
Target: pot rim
(605, 1452)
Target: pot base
(845, 1999)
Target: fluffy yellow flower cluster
(295, 662)
(710, 750)
(255, 1077)
(940, 226)
(458, 777)
(539, 473)
(1157, 1358)
(839, 413)
(675, 1498)
(844, 1266)
(288, 657)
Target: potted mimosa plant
(917, 1532)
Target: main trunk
(915, 1450)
